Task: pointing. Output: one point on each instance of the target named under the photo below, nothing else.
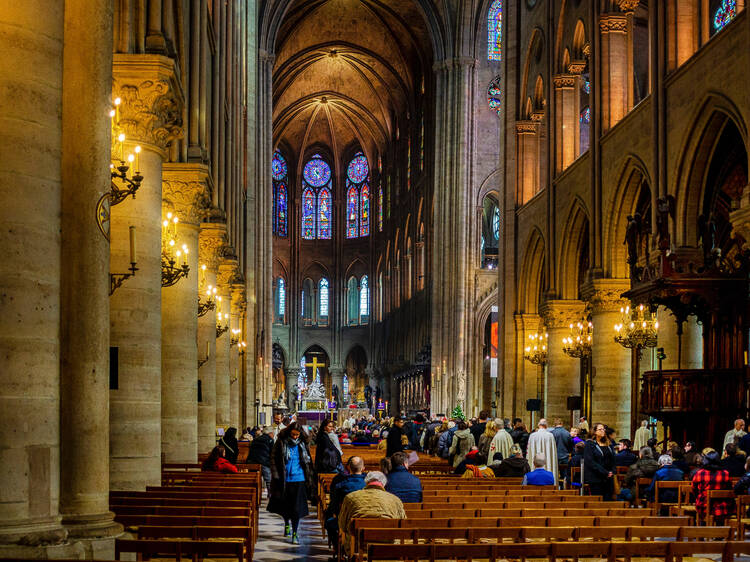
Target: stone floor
(272, 545)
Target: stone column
(528, 374)
(84, 314)
(149, 115)
(563, 372)
(566, 121)
(611, 362)
(291, 381)
(212, 239)
(185, 193)
(235, 388)
(527, 143)
(337, 379)
(31, 36)
(227, 271)
(614, 67)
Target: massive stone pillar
(185, 193)
(212, 240)
(227, 271)
(563, 372)
(566, 120)
(614, 68)
(235, 372)
(31, 37)
(149, 115)
(527, 147)
(528, 375)
(611, 362)
(84, 302)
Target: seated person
(539, 476)
(678, 459)
(625, 456)
(644, 467)
(469, 459)
(341, 486)
(667, 472)
(480, 469)
(401, 483)
(515, 466)
(734, 461)
(217, 463)
(575, 462)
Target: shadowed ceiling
(346, 74)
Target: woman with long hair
(217, 463)
(485, 440)
(599, 463)
(291, 478)
(229, 442)
(327, 449)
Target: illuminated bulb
(185, 248)
(138, 149)
(203, 267)
(118, 101)
(169, 216)
(171, 242)
(175, 220)
(178, 253)
(111, 112)
(164, 224)
(111, 166)
(131, 158)
(121, 137)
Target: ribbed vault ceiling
(346, 73)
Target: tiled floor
(272, 545)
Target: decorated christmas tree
(458, 413)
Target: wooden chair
(650, 533)
(685, 502)
(714, 496)
(677, 550)
(179, 549)
(659, 488)
(743, 504)
(628, 550)
(736, 548)
(572, 551)
(703, 533)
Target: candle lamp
(638, 328)
(171, 272)
(578, 343)
(117, 279)
(221, 330)
(210, 302)
(235, 339)
(536, 351)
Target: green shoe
(287, 530)
(295, 539)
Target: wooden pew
(178, 550)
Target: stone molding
(628, 6)
(537, 115)
(186, 192)
(455, 62)
(239, 303)
(152, 99)
(228, 272)
(604, 295)
(613, 23)
(527, 323)
(562, 313)
(577, 67)
(211, 242)
(587, 50)
(527, 126)
(564, 81)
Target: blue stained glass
(308, 214)
(358, 169)
(586, 86)
(496, 223)
(495, 31)
(278, 166)
(585, 120)
(495, 95)
(346, 384)
(324, 214)
(726, 13)
(586, 115)
(352, 212)
(364, 297)
(364, 219)
(281, 210)
(282, 296)
(323, 292)
(317, 173)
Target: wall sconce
(171, 273)
(209, 304)
(203, 361)
(123, 182)
(117, 279)
(235, 339)
(242, 347)
(221, 330)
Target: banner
(493, 343)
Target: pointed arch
(574, 242)
(531, 279)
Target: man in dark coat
(625, 456)
(342, 485)
(478, 428)
(260, 453)
(401, 482)
(393, 442)
(734, 463)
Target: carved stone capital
(564, 81)
(604, 295)
(587, 50)
(211, 241)
(562, 313)
(613, 23)
(628, 5)
(186, 192)
(527, 127)
(239, 303)
(577, 66)
(527, 323)
(228, 271)
(151, 97)
(537, 115)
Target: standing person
(260, 453)
(736, 433)
(599, 463)
(394, 442)
(478, 428)
(519, 434)
(485, 440)
(229, 442)
(445, 440)
(291, 478)
(502, 442)
(583, 425)
(542, 441)
(711, 477)
(277, 425)
(327, 449)
(642, 435)
(462, 443)
(564, 444)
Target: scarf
(335, 440)
(287, 446)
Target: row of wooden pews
(191, 515)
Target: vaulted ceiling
(346, 74)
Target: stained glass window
(358, 169)
(324, 214)
(586, 85)
(323, 297)
(364, 219)
(308, 214)
(352, 212)
(724, 14)
(380, 209)
(346, 384)
(281, 210)
(364, 298)
(585, 120)
(278, 166)
(495, 31)
(282, 296)
(496, 223)
(495, 95)
(317, 172)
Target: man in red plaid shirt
(712, 477)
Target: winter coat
(393, 444)
(477, 430)
(598, 462)
(734, 465)
(484, 444)
(404, 485)
(374, 502)
(444, 443)
(260, 450)
(327, 456)
(462, 443)
(625, 458)
(342, 486)
(278, 468)
(563, 443)
(223, 465)
(513, 467)
(665, 473)
(643, 468)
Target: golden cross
(315, 366)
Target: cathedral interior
(533, 208)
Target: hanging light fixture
(638, 328)
(170, 254)
(536, 351)
(210, 293)
(578, 343)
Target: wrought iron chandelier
(210, 302)
(536, 351)
(578, 343)
(171, 273)
(638, 328)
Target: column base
(69, 551)
(95, 533)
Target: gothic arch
(490, 186)
(532, 274)
(689, 186)
(357, 268)
(536, 41)
(574, 241)
(634, 175)
(315, 270)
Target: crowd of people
(476, 448)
